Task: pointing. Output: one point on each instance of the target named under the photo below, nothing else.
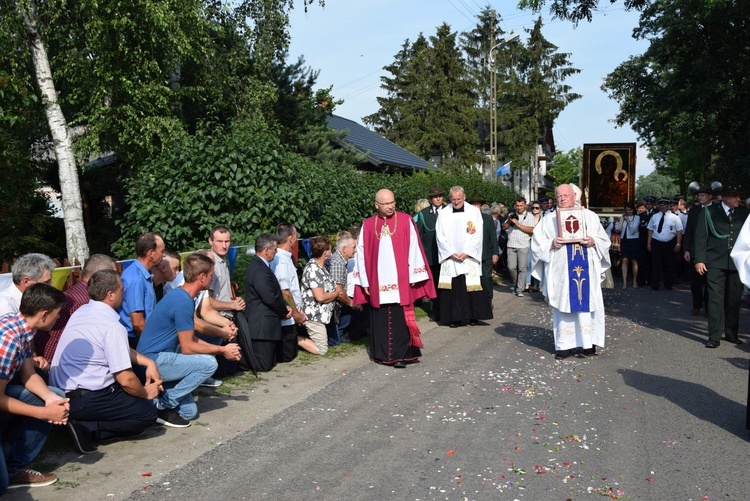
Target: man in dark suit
(426, 220)
(697, 281)
(264, 304)
(716, 232)
(490, 249)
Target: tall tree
(655, 185)
(72, 206)
(567, 166)
(688, 95)
(450, 131)
(534, 94)
(576, 10)
(130, 78)
(402, 110)
(429, 101)
(25, 215)
(483, 46)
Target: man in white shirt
(94, 366)
(286, 273)
(519, 226)
(664, 241)
(28, 269)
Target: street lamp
(493, 96)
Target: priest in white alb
(390, 274)
(573, 273)
(459, 233)
(741, 256)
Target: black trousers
(289, 345)
(662, 258)
(724, 291)
(111, 412)
(435, 269)
(487, 284)
(698, 287)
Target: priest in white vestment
(741, 257)
(573, 273)
(459, 235)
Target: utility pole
(493, 101)
(493, 91)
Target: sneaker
(81, 437)
(211, 383)
(32, 478)
(519, 294)
(171, 418)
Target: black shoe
(562, 354)
(734, 340)
(399, 365)
(81, 437)
(589, 352)
(713, 344)
(171, 418)
(473, 322)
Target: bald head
(385, 202)
(565, 196)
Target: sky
(350, 41)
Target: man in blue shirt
(183, 360)
(140, 299)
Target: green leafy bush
(241, 176)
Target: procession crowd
(117, 353)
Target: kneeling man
(183, 360)
(94, 366)
(28, 407)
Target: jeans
(336, 331)
(27, 435)
(181, 375)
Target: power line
(462, 12)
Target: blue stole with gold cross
(578, 277)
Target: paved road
(489, 414)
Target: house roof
(380, 151)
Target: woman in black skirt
(628, 226)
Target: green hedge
(242, 177)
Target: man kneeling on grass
(28, 407)
(94, 366)
(183, 360)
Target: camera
(512, 218)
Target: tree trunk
(75, 234)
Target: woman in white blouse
(628, 226)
